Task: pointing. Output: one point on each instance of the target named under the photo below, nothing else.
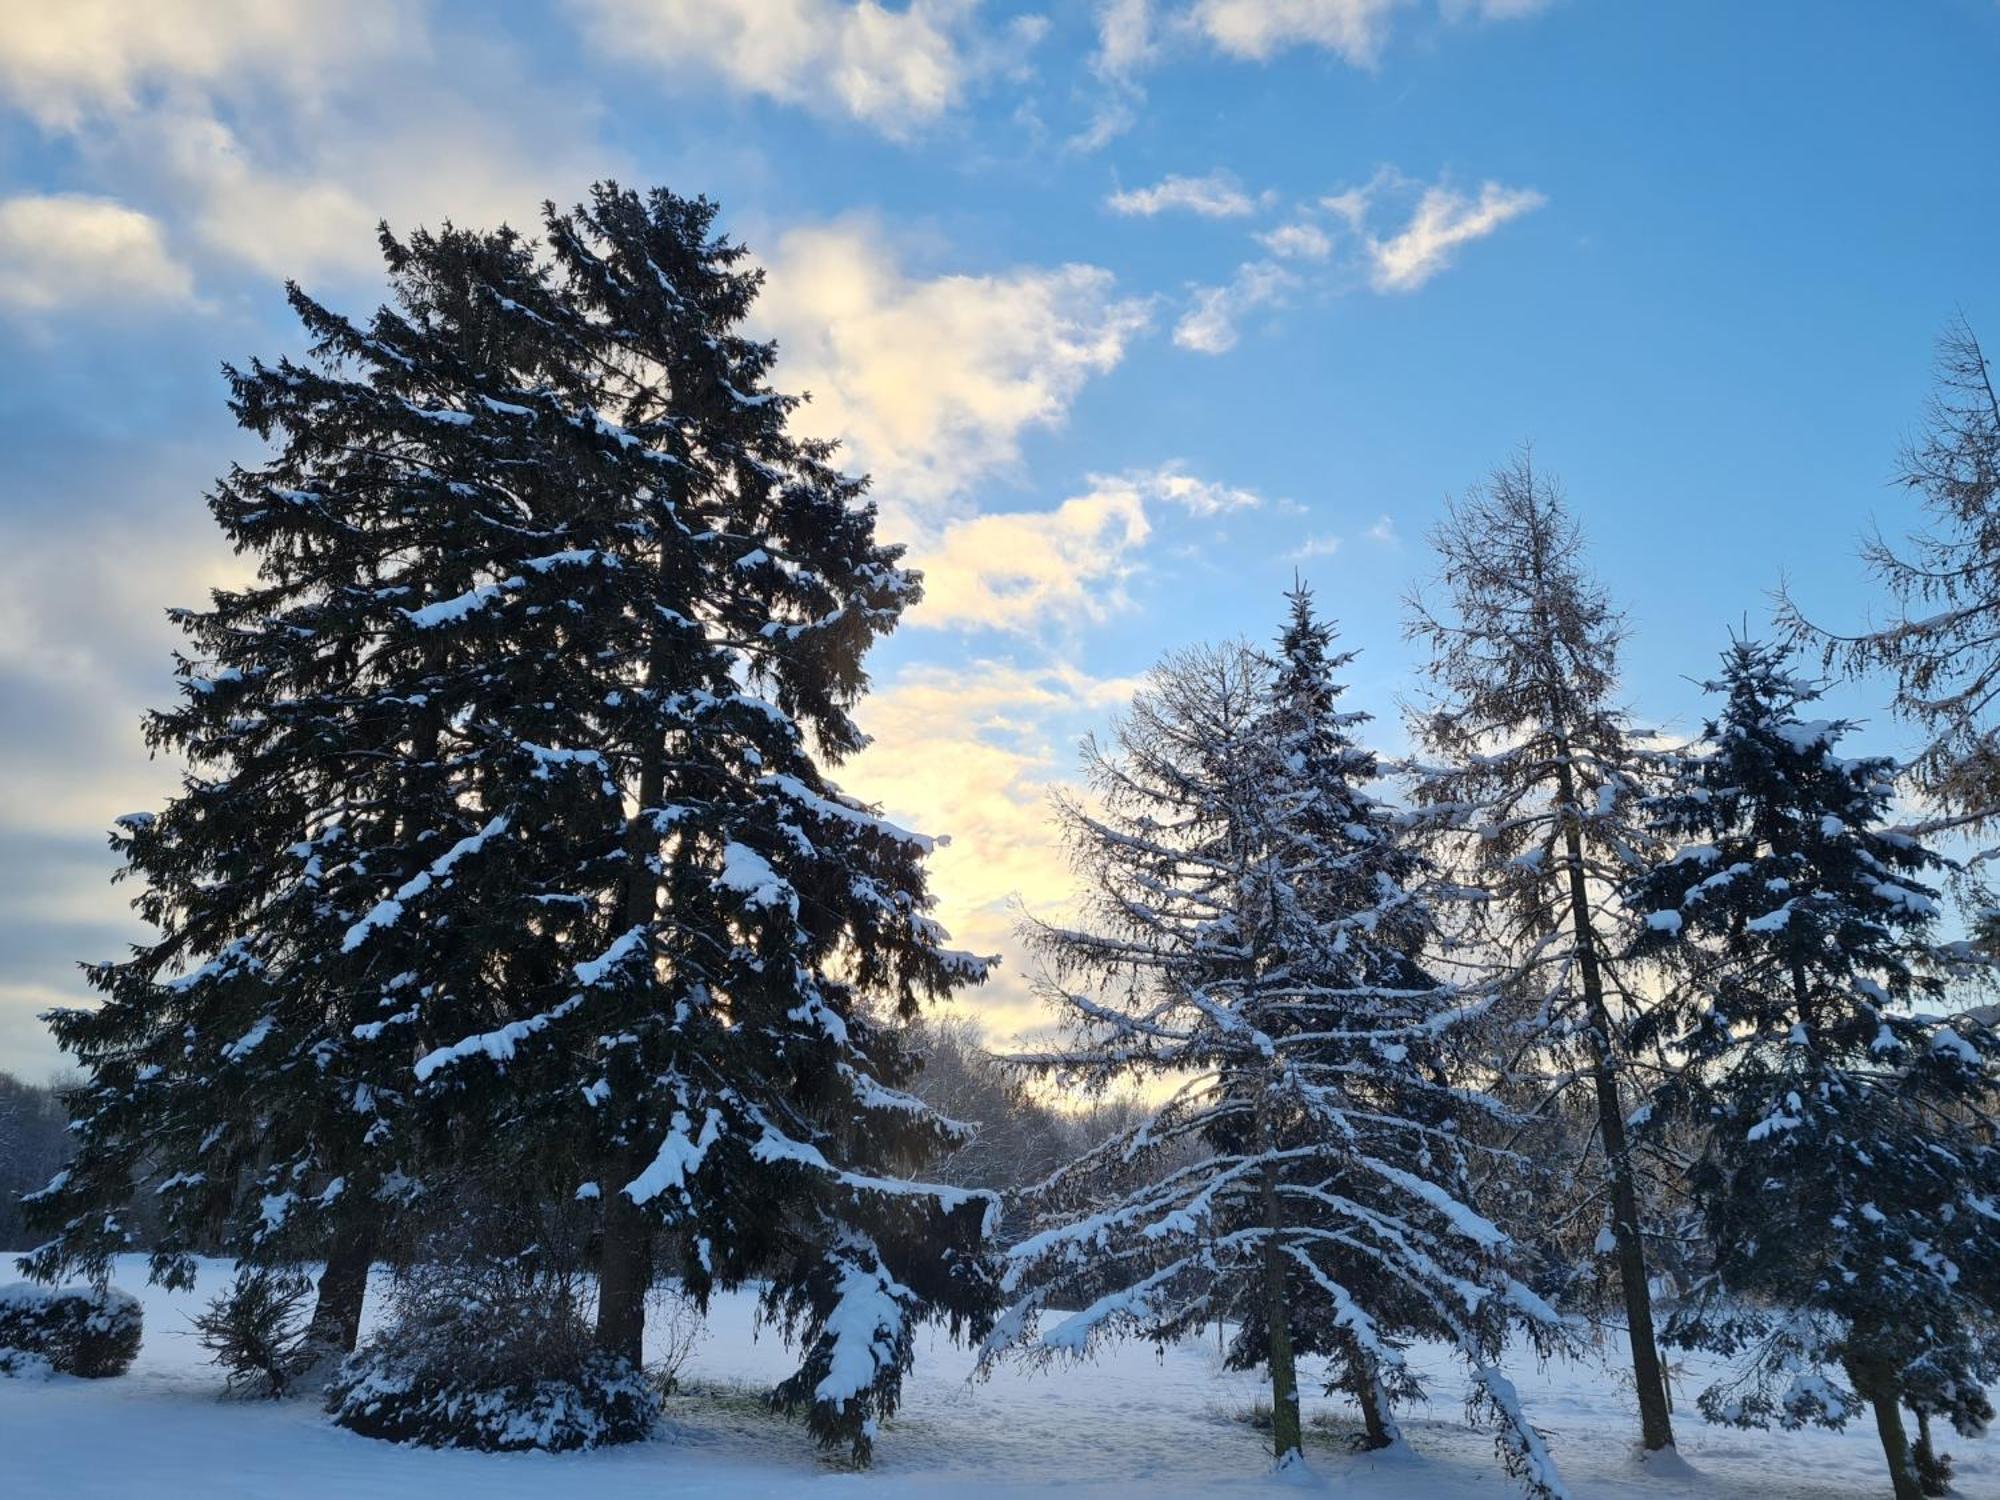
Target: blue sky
(1131, 308)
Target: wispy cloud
(1353, 30)
(1444, 221)
(1217, 195)
(1340, 243)
(1209, 326)
(1299, 240)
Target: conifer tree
(1850, 1170)
(236, 1070)
(724, 938)
(1945, 586)
(1254, 930)
(1533, 787)
(512, 849)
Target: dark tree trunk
(625, 1252)
(1287, 1432)
(1656, 1426)
(1379, 1428)
(343, 1287)
(1933, 1468)
(1880, 1391)
(624, 1271)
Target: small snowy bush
(256, 1331)
(493, 1356)
(18, 1364)
(92, 1332)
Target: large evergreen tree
(1533, 788)
(237, 1070)
(511, 837)
(1849, 1180)
(1255, 933)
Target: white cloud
(1494, 10)
(1201, 497)
(893, 70)
(1354, 30)
(1321, 544)
(1300, 240)
(274, 134)
(1126, 37)
(932, 382)
(1443, 221)
(1217, 195)
(1136, 34)
(312, 206)
(1384, 532)
(61, 61)
(1209, 325)
(67, 250)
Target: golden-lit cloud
(1033, 572)
(932, 382)
(1028, 570)
(973, 752)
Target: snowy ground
(1132, 1424)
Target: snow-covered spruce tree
(1253, 934)
(1946, 592)
(709, 941)
(1533, 792)
(335, 742)
(1850, 1171)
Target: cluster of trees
(1720, 970)
(34, 1145)
(508, 884)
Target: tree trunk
(625, 1250)
(1378, 1424)
(624, 1269)
(1287, 1433)
(1881, 1393)
(1656, 1427)
(343, 1287)
(1933, 1469)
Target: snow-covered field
(1133, 1423)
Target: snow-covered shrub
(18, 1364)
(257, 1331)
(495, 1355)
(92, 1332)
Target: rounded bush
(93, 1332)
(490, 1354)
(385, 1394)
